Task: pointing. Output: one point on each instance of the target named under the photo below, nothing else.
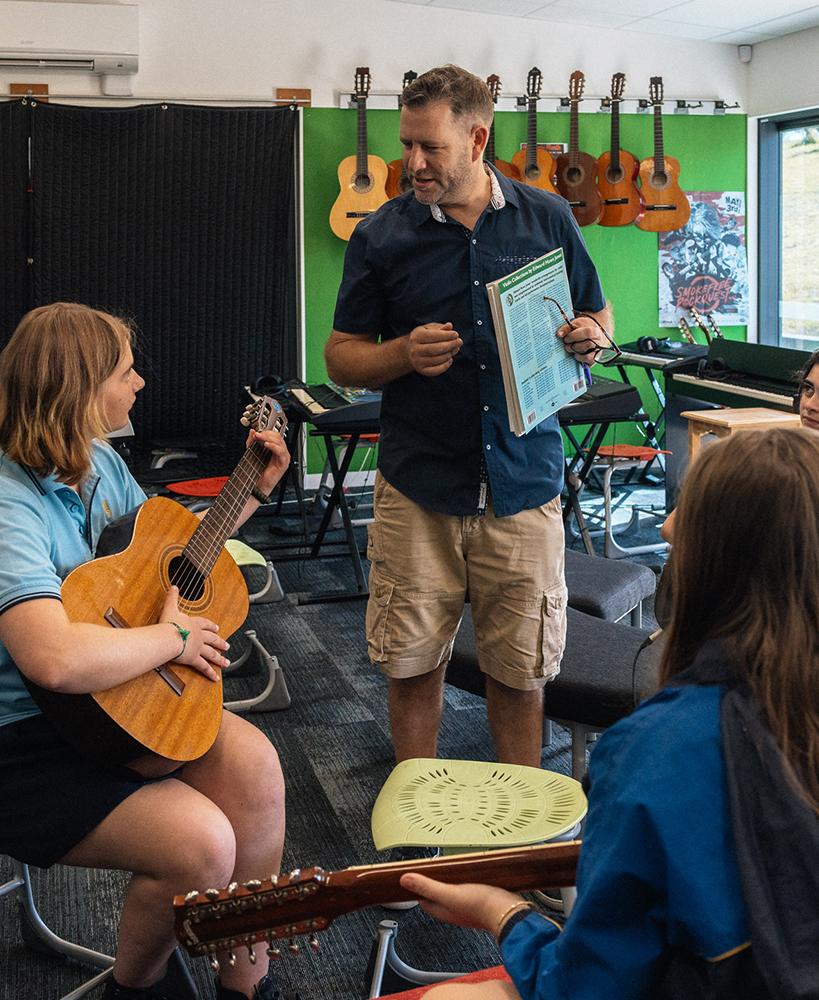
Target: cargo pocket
(378, 614)
(375, 545)
(553, 631)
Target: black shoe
(113, 991)
(265, 989)
(409, 854)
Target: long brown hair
(746, 569)
(51, 372)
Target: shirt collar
(497, 200)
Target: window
(788, 227)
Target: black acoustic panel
(14, 216)
(181, 218)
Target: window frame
(769, 249)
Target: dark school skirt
(50, 796)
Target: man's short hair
(466, 94)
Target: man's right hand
(432, 347)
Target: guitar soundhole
(614, 176)
(574, 175)
(659, 179)
(533, 173)
(187, 577)
(363, 183)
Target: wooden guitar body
(540, 174)
(665, 206)
(507, 169)
(358, 197)
(160, 719)
(619, 193)
(577, 182)
(397, 180)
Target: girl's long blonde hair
(51, 372)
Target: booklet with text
(538, 375)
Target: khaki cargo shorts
(423, 564)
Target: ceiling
(736, 22)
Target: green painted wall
(711, 150)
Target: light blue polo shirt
(46, 530)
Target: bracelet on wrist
(257, 494)
(511, 911)
(184, 633)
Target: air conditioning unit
(101, 38)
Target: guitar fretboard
(574, 133)
(659, 154)
(531, 139)
(615, 137)
(362, 176)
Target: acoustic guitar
(362, 178)
(577, 171)
(307, 901)
(397, 180)
(617, 170)
(665, 206)
(502, 166)
(170, 715)
(536, 166)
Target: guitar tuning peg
(192, 896)
(295, 875)
(274, 880)
(245, 422)
(214, 964)
(212, 894)
(274, 952)
(231, 958)
(293, 946)
(251, 954)
(232, 888)
(313, 941)
(253, 885)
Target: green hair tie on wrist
(184, 632)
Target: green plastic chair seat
(458, 805)
(244, 555)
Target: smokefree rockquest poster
(705, 264)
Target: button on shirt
(409, 264)
(48, 530)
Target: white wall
(246, 48)
(785, 74)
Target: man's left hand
(583, 339)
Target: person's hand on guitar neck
(485, 907)
(278, 458)
(202, 647)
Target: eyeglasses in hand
(603, 355)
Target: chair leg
(636, 615)
(387, 965)
(275, 695)
(272, 589)
(579, 734)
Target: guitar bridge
(661, 208)
(173, 680)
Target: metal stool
(465, 805)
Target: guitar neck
(361, 163)
(489, 152)
(659, 153)
(615, 136)
(217, 525)
(574, 133)
(308, 901)
(531, 139)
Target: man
(462, 505)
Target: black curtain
(15, 292)
(183, 219)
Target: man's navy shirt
(403, 268)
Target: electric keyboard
(329, 405)
(604, 401)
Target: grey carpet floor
(335, 749)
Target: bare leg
(416, 705)
(241, 774)
(495, 989)
(516, 723)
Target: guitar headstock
(618, 86)
(576, 83)
(264, 414)
(655, 91)
(362, 83)
(409, 76)
(534, 82)
(240, 916)
(494, 84)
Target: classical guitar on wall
(169, 715)
(308, 900)
(577, 171)
(535, 165)
(397, 180)
(362, 178)
(504, 167)
(665, 206)
(617, 170)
